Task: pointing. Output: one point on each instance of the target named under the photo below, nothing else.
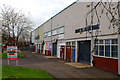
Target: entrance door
(68, 53)
(54, 49)
(36, 48)
(62, 50)
(42, 47)
(73, 55)
(39, 48)
(84, 52)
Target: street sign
(12, 53)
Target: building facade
(38, 39)
(66, 36)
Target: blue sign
(94, 27)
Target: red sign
(12, 53)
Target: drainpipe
(92, 38)
(119, 40)
(51, 37)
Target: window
(107, 41)
(107, 48)
(107, 51)
(96, 50)
(73, 43)
(114, 41)
(60, 30)
(54, 32)
(68, 43)
(49, 34)
(45, 34)
(114, 51)
(101, 51)
(101, 41)
(114, 48)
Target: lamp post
(92, 38)
(51, 37)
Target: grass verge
(22, 72)
(4, 55)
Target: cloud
(41, 10)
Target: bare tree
(15, 23)
(110, 9)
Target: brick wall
(106, 64)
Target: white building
(71, 38)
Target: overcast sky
(40, 10)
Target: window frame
(45, 35)
(54, 33)
(59, 30)
(49, 34)
(104, 44)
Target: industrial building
(67, 37)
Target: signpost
(12, 54)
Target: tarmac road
(58, 69)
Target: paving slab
(78, 65)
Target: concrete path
(58, 68)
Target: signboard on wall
(94, 27)
(61, 36)
(12, 53)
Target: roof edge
(56, 14)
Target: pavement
(60, 69)
(78, 65)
